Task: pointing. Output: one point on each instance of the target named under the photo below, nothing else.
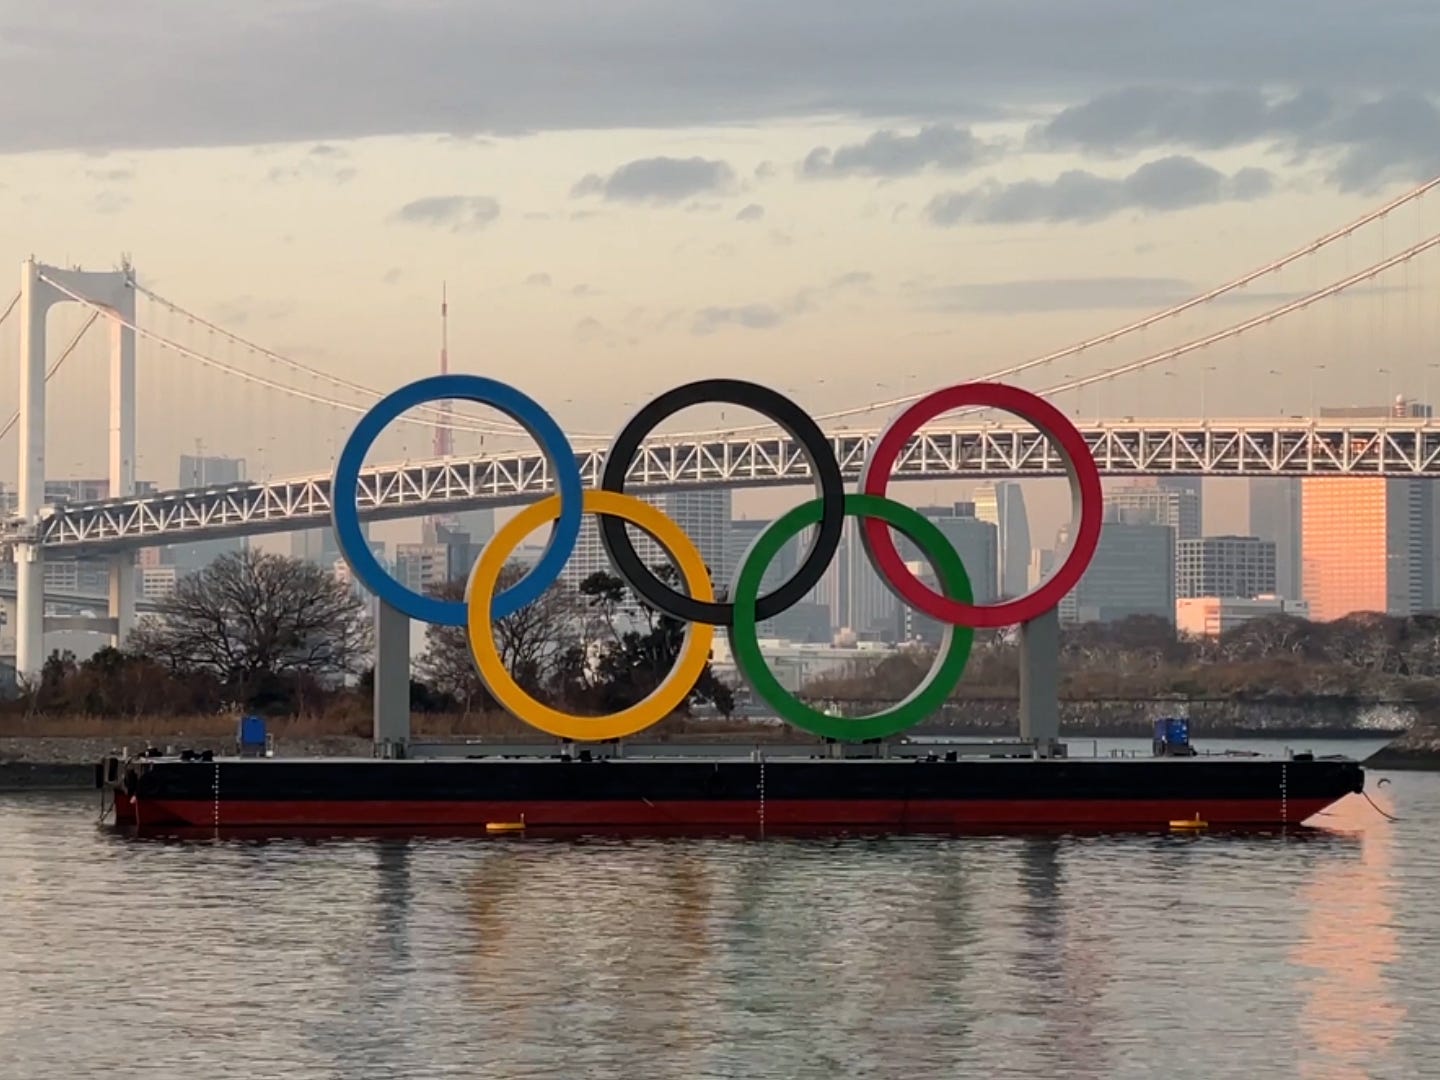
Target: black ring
(823, 466)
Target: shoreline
(67, 763)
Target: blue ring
(345, 489)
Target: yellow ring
(665, 698)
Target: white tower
(41, 287)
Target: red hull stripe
(819, 813)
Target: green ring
(949, 662)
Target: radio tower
(444, 437)
(436, 525)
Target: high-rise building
(1211, 616)
(1368, 543)
(1228, 566)
(977, 542)
(1132, 573)
(1275, 516)
(1368, 546)
(198, 470)
(807, 621)
(315, 545)
(870, 606)
(1146, 502)
(1002, 504)
(156, 582)
(1042, 562)
(1193, 488)
(704, 516)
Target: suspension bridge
(1320, 308)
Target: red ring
(1085, 496)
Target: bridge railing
(1291, 447)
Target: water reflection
(904, 957)
(1351, 1015)
(1060, 965)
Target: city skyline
(851, 228)
(863, 223)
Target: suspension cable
(296, 365)
(1002, 373)
(259, 380)
(74, 341)
(1249, 324)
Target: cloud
(1056, 294)
(392, 275)
(751, 316)
(769, 315)
(1133, 118)
(658, 180)
(765, 170)
(242, 309)
(320, 162)
(1393, 138)
(110, 202)
(1365, 142)
(888, 154)
(504, 69)
(538, 281)
(591, 331)
(1169, 184)
(460, 213)
(753, 212)
(111, 176)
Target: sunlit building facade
(1002, 504)
(1367, 545)
(1275, 516)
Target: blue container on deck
(252, 735)
(1172, 737)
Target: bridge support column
(29, 610)
(122, 597)
(392, 681)
(41, 287)
(1040, 681)
(122, 451)
(35, 300)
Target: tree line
(267, 633)
(1364, 656)
(262, 632)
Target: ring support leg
(1040, 680)
(392, 681)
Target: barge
(925, 790)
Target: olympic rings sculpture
(743, 607)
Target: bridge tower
(41, 288)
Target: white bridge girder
(1396, 448)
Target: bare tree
(532, 644)
(251, 616)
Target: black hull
(630, 793)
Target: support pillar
(122, 597)
(392, 681)
(1040, 681)
(122, 452)
(41, 287)
(35, 300)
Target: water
(1207, 957)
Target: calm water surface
(907, 958)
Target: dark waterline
(1174, 956)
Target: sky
(846, 201)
